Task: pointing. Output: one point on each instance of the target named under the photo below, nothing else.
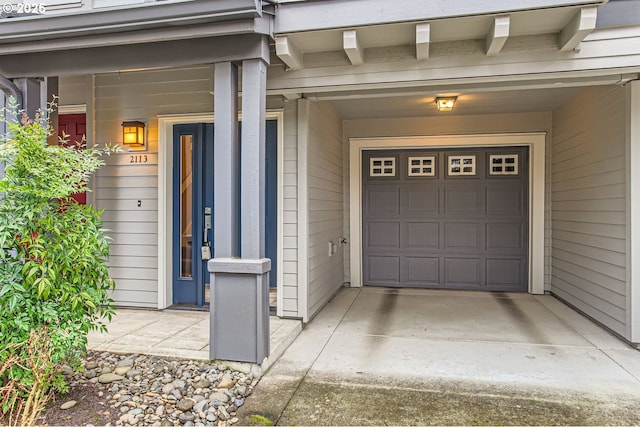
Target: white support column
(289, 54)
(225, 201)
(633, 214)
(352, 47)
(582, 23)
(423, 38)
(498, 35)
(254, 95)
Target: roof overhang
(137, 23)
(165, 54)
(353, 26)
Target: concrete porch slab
(177, 333)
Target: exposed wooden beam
(423, 38)
(352, 47)
(582, 23)
(289, 54)
(498, 34)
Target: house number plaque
(132, 159)
(138, 158)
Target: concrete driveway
(377, 356)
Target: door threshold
(194, 307)
(188, 307)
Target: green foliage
(259, 420)
(53, 251)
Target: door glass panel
(186, 206)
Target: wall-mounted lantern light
(445, 103)
(133, 134)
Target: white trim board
(633, 214)
(72, 109)
(165, 197)
(536, 144)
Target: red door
(75, 127)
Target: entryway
(193, 213)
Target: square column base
(239, 309)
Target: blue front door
(193, 213)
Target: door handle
(207, 224)
(206, 247)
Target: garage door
(453, 219)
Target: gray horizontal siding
(589, 205)
(118, 188)
(325, 204)
(289, 286)
(74, 90)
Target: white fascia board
(352, 47)
(498, 35)
(582, 23)
(423, 38)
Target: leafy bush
(54, 279)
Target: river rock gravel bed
(152, 390)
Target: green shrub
(54, 277)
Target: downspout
(10, 89)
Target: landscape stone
(68, 405)
(125, 363)
(92, 364)
(150, 390)
(185, 404)
(227, 381)
(203, 383)
(133, 373)
(187, 416)
(218, 397)
(121, 370)
(201, 406)
(109, 378)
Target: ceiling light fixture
(445, 103)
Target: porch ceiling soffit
(162, 15)
(167, 54)
(353, 35)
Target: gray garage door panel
(426, 226)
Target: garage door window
(462, 165)
(421, 166)
(503, 164)
(382, 166)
